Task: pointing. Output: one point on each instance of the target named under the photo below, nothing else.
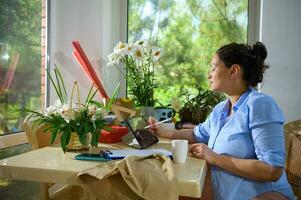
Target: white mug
(179, 150)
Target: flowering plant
(139, 60)
(66, 117)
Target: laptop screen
(143, 136)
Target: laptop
(138, 137)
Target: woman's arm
(185, 134)
(249, 168)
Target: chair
(38, 138)
(293, 159)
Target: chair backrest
(36, 135)
(293, 151)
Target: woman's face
(219, 75)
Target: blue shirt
(253, 131)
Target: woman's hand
(158, 130)
(202, 151)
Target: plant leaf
(62, 81)
(112, 100)
(55, 87)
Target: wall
(281, 33)
(98, 25)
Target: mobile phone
(92, 157)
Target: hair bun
(259, 51)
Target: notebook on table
(119, 154)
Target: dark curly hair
(250, 58)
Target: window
(189, 32)
(22, 32)
(20, 60)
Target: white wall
(281, 33)
(98, 25)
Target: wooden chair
(38, 138)
(293, 152)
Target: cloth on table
(134, 177)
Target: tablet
(143, 136)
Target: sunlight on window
(189, 33)
(20, 61)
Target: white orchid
(156, 53)
(57, 104)
(66, 112)
(92, 109)
(139, 60)
(51, 110)
(120, 48)
(138, 54)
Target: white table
(51, 165)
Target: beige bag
(132, 178)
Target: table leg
(207, 193)
(44, 191)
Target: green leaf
(94, 140)
(88, 96)
(62, 82)
(92, 96)
(112, 100)
(59, 84)
(53, 136)
(65, 138)
(55, 87)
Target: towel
(132, 178)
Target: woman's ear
(234, 71)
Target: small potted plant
(77, 124)
(139, 60)
(196, 107)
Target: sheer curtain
(98, 25)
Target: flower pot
(195, 115)
(185, 114)
(76, 145)
(199, 115)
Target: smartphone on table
(91, 157)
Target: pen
(160, 122)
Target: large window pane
(189, 32)
(20, 60)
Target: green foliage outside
(20, 32)
(189, 32)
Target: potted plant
(77, 124)
(196, 107)
(139, 60)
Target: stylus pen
(160, 122)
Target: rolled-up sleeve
(266, 124)
(201, 131)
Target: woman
(243, 138)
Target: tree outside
(20, 84)
(189, 33)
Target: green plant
(66, 117)
(139, 60)
(196, 107)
